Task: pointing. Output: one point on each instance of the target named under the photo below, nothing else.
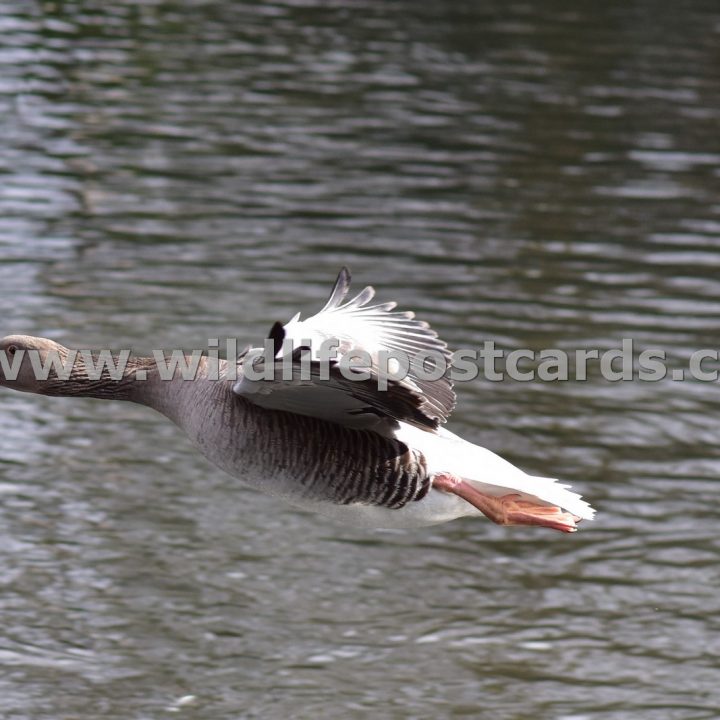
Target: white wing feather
(392, 340)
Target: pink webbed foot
(508, 509)
(524, 512)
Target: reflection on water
(526, 173)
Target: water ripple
(178, 171)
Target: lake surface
(536, 174)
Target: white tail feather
(547, 491)
(489, 473)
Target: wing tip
(340, 292)
(340, 289)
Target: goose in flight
(337, 413)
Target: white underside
(436, 507)
(488, 472)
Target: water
(529, 173)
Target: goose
(361, 443)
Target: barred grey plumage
(344, 448)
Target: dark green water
(540, 174)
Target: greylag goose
(363, 443)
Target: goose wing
(362, 365)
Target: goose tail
(540, 490)
(525, 500)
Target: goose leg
(508, 509)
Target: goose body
(365, 447)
